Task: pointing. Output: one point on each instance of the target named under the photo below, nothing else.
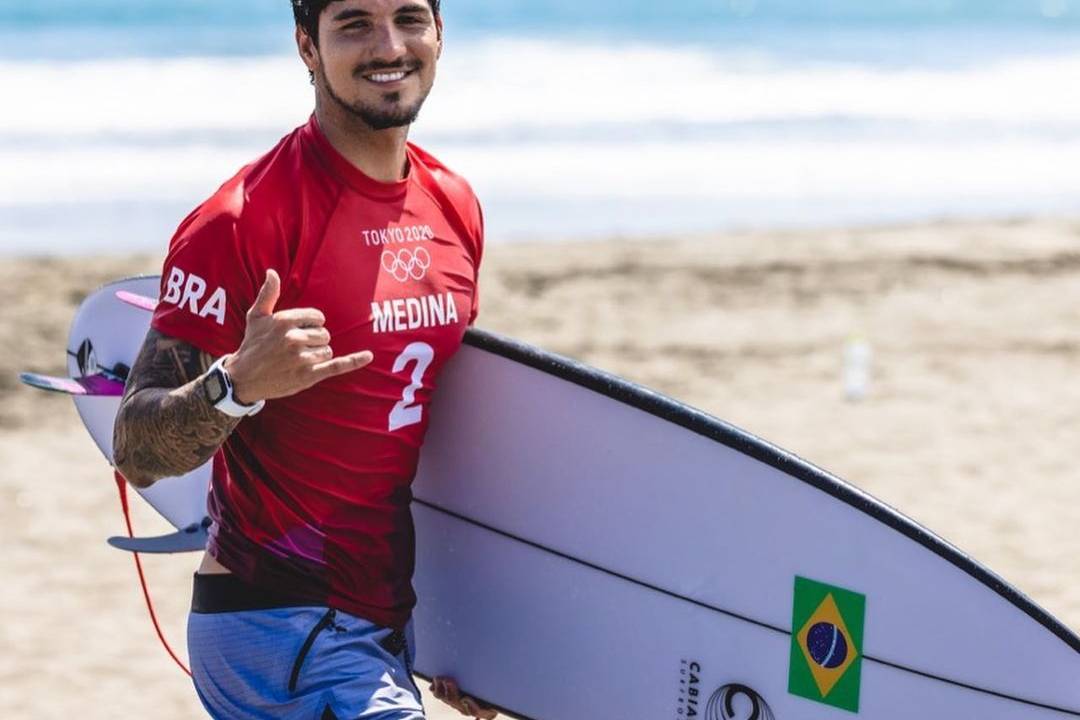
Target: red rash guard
(314, 495)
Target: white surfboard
(107, 332)
(589, 549)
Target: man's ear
(439, 31)
(308, 50)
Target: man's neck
(379, 154)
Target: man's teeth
(387, 77)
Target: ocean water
(570, 118)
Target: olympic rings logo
(406, 264)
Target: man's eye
(358, 25)
(410, 20)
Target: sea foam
(568, 138)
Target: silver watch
(219, 389)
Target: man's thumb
(268, 295)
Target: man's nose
(388, 42)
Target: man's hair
(307, 14)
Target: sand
(970, 426)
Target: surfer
(306, 311)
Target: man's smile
(388, 77)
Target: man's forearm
(166, 425)
(163, 433)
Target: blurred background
(849, 226)
(571, 119)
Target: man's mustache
(377, 65)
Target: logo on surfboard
(689, 689)
(826, 644)
(737, 702)
(733, 701)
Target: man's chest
(388, 275)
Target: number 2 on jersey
(406, 412)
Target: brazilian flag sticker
(826, 644)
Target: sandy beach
(970, 425)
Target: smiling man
(285, 347)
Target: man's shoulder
(435, 172)
(264, 199)
(450, 188)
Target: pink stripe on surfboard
(140, 301)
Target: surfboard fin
(191, 539)
(140, 301)
(99, 385)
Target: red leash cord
(121, 486)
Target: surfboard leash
(121, 487)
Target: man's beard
(378, 118)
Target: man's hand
(446, 689)
(284, 352)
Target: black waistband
(228, 593)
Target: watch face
(215, 387)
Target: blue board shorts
(253, 658)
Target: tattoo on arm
(166, 425)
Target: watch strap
(228, 404)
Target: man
(306, 311)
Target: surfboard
(105, 337)
(587, 548)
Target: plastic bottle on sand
(858, 356)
